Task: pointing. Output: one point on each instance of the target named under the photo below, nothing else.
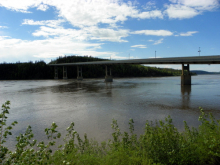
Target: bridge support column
(64, 72)
(185, 77)
(79, 73)
(55, 72)
(108, 77)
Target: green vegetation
(40, 70)
(29, 70)
(161, 143)
(203, 72)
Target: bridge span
(184, 61)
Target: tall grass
(161, 143)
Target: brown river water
(92, 104)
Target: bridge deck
(171, 60)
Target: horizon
(111, 29)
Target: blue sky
(33, 30)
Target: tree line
(40, 70)
(27, 70)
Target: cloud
(200, 4)
(189, 33)
(51, 28)
(50, 23)
(20, 6)
(106, 34)
(149, 5)
(81, 13)
(181, 12)
(139, 46)
(183, 9)
(91, 13)
(149, 14)
(3, 27)
(42, 7)
(92, 33)
(49, 32)
(156, 42)
(160, 41)
(24, 50)
(114, 57)
(154, 32)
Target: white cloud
(17, 49)
(200, 4)
(149, 14)
(156, 42)
(83, 13)
(139, 46)
(49, 32)
(189, 33)
(20, 6)
(50, 23)
(93, 12)
(149, 5)
(154, 32)
(3, 27)
(105, 34)
(92, 33)
(181, 12)
(51, 28)
(182, 9)
(116, 57)
(42, 7)
(160, 41)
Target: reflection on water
(186, 91)
(92, 104)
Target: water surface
(92, 104)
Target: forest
(40, 70)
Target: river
(92, 104)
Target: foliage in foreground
(161, 143)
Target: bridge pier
(186, 76)
(65, 72)
(79, 73)
(108, 77)
(55, 72)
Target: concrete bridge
(184, 61)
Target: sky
(33, 30)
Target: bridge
(184, 61)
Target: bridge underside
(185, 76)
